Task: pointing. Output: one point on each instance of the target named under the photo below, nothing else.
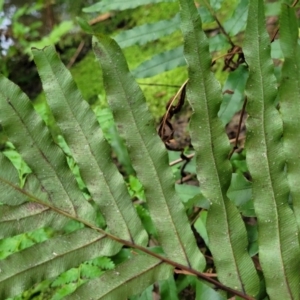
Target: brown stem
(159, 84)
(219, 23)
(179, 160)
(74, 57)
(239, 129)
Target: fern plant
(95, 244)
(220, 39)
(149, 32)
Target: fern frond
(128, 278)
(148, 155)
(22, 269)
(278, 249)
(90, 150)
(227, 236)
(108, 5)
(289, 93)
(161, 62)
(143, 34)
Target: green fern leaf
(108, 5)
(161, 62)
(50, 196)
(227, 236)
(90, 150)
(278, 248)
(149, 156)
(42, 155)
(129, 278)
(54, 256)
(141, 35)
(289, 93)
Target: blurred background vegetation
(43, 22)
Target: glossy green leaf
(279, 253)
(213, 167)
(289, 93)
(148, 155)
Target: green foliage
(21, 34)
(277, 238)
(74, 225)
(157, 179)
(288, 92)
(53, 38)
(150, 32)
(229, 231)
(107, 5)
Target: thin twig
(74, 57)
(219, 23)
(195, 215)
(226, 54)
(190, 156)
(235, 147)
(167, 116)
(100, 18)
(175, 97)
(188, 273)
(185, 178)
(160, 84)
(179, 160)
